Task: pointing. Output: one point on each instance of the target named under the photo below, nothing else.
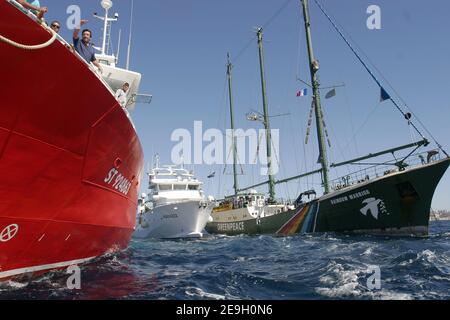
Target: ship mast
(266, 118)
(233, 136)
(314, 68)
(129, 37)
(107, 5)
(323, 159)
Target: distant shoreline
(441, 215)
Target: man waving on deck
(84, 47)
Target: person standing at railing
(34, 6)
(55, 26)
(121, 95)
(84, 47)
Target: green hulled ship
(391, 197)
(397, 203)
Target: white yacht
(176, 206)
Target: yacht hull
(172, 221)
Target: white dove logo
(372, 206)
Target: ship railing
(90, 66)
(283, 202)
(231, 205)
(381, 170)
(31, 15)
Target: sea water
(322, 266)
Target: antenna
(106, 4)
(129, 38)
(156, 161)
(118, 46)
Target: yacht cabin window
(165, 187)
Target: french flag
(302, 93)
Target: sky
(180, 48)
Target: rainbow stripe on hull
(301, 222)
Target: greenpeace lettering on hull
(234, 226)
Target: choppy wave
(325, 266)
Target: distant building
(440, 215)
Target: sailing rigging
(397, 194)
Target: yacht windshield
(165, 187)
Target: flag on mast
(384, 95)
(302, 93)
(331, 94)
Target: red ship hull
(70, 160)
